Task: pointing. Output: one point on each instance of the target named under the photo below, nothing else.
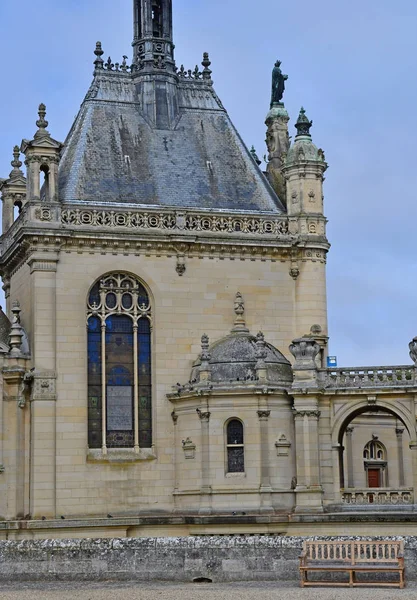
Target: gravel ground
(166, 591)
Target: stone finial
(304, 350)
(303, 124)
(205, 370)
(16, 163)
(206, 64)
(255, 156)
(99, 62)
(240, 323)
(42, 123)
(413, 350)
(261, 354)
(16, 331)
(205, 345)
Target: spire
(303, 124)
(152, 41)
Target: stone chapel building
(163, 348)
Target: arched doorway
(373, 456)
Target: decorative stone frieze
(310, 414)
(168, 220)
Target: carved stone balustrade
(368, 377)
(379, 496)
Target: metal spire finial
(303, 124)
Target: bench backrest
(352, 552)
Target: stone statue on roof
(278, 84)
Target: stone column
(401, 479)
(413, 449)
(174, 417)
(8, 212)
(205, 491)
(43, 407)
(337, 457)
(306, 416)
(265, 486)
(349, 452)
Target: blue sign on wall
(332, 361)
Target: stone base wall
(217, 558)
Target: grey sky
(352, 65)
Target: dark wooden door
(374, 479)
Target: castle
(163, 351)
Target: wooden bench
(352, 557)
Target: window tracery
(374, 450)
(119, 322)
(235, 447)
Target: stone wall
(217, 558)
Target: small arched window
(119, 364)
(235, 447)
(374, 450)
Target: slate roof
(159, 142)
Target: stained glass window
(119, 364)
(235, 447)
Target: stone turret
(304, 169)
(153, 42)
(13, 190)
(42, 155)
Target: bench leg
(351, 578)
(401, 580)
(303, 577)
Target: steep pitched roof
(161, 141)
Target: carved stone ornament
(301, 414)
(413, 350)
(189, 448)
(25, 388)
(43, 214)
(203, 415)
(304, 350)
(263, 415)
(181, 266)
(283, 445)
(294, 272)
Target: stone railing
(378, 496)
(177, 221)
(367, 377)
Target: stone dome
(234, 358)
(303, 148)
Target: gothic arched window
(235, 447)
(119, 364)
